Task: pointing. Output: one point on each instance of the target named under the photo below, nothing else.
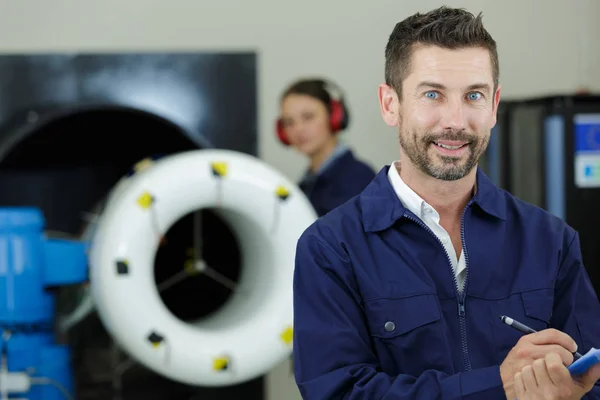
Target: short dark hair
(449, 28)
(316, 88)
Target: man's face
(447, 110)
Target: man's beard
(450, 168)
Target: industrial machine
(546, 151)
(244, 339)
(73, 128)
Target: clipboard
(586, 362)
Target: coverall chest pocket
(532, 308)
(407, 333)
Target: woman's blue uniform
(339, 179)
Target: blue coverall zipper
(459, 294)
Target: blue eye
(474, 96)
(431, 95)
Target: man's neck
(449, 198)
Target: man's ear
(388, 103)
(495, 105)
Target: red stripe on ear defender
(336, 115)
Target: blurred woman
(313, 112)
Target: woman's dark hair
(316, 88)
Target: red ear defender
(338, 113)
(281, 132)
(336, 116)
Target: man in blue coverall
(398, 292)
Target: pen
(526, 330)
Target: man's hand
(535, 346)
(549, 378)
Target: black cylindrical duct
(65, 161)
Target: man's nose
(454, 115)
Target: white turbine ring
(251, 333)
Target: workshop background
(548, 50)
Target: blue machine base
(48, 364)
(30, 264)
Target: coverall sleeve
(333, 358)
(576, 305)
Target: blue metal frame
(554, 165)
(493, 155)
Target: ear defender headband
(338, 113)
